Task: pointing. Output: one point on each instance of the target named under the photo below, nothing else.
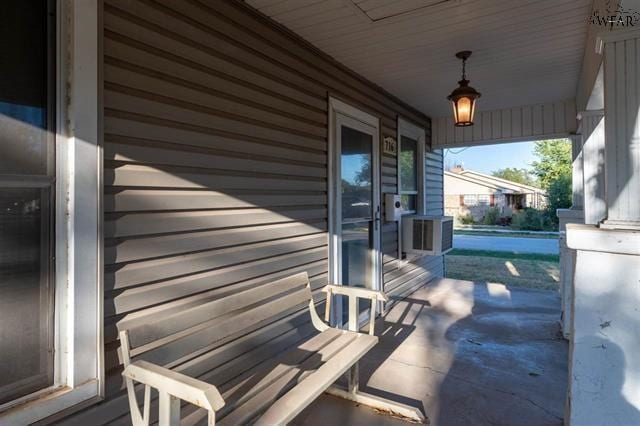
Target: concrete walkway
(513, 244)
(466, 354)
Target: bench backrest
(186, 333)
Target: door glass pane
(25, 297)
(356, 158)
(357, 264)
(357, 174)
(408, 164)
(357, 240)
(26, 212)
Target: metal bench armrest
(172, 387)
(355, 293)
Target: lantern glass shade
(463, 110)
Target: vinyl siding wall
(401, 277)
(215, 167)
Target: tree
(554, 161)
(514, 174)
(560, 195)
(554, 174)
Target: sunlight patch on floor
(512, 269)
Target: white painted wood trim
(593, 156)
(622, 128)
(50, 404)
(337, 105)
(517, 124)
(592, 238)
(614, 36)
(347, 112)
(78, 372)
(407, 128)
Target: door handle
(377, 218)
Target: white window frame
(475, 200)
(417, 133)
(488, 199)
(78, 340)
(410, 130)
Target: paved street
(513, 244)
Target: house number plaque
(389, 146)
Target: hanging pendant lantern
(463, 98)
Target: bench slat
(250, 384)
(256, 405)
(191, 341)
(246, 385)
(288, 406)
(195, 316)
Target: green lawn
(537, 271)
(504, 234)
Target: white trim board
(525, 123)
(407, 128)
(78, 372)
(341, 112)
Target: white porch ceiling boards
(524, 51)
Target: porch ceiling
(524, 51)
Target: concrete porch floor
(466, 354)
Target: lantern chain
(464, 68)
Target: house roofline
(522, 185)
(477, 182)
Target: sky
(488, 158)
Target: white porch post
(573, 215)
(621, 51)
(595, 208)
(604, 380)
(577, 182)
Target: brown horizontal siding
(400, 276)
(215, 171)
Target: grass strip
(505, 234)
(509, 255)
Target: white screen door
(355, 207)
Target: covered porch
(208, 171)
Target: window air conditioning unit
(430, 235)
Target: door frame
(336, 107)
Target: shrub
(529, 220)
(466, 219)
(560, 193)
(492, 216)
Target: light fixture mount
(463, 98)
(464, 55)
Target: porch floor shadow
(466, 354)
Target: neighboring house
(472, 193)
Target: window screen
(408, 164)
(26, 198)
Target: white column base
(620, 224)
(604, 379)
